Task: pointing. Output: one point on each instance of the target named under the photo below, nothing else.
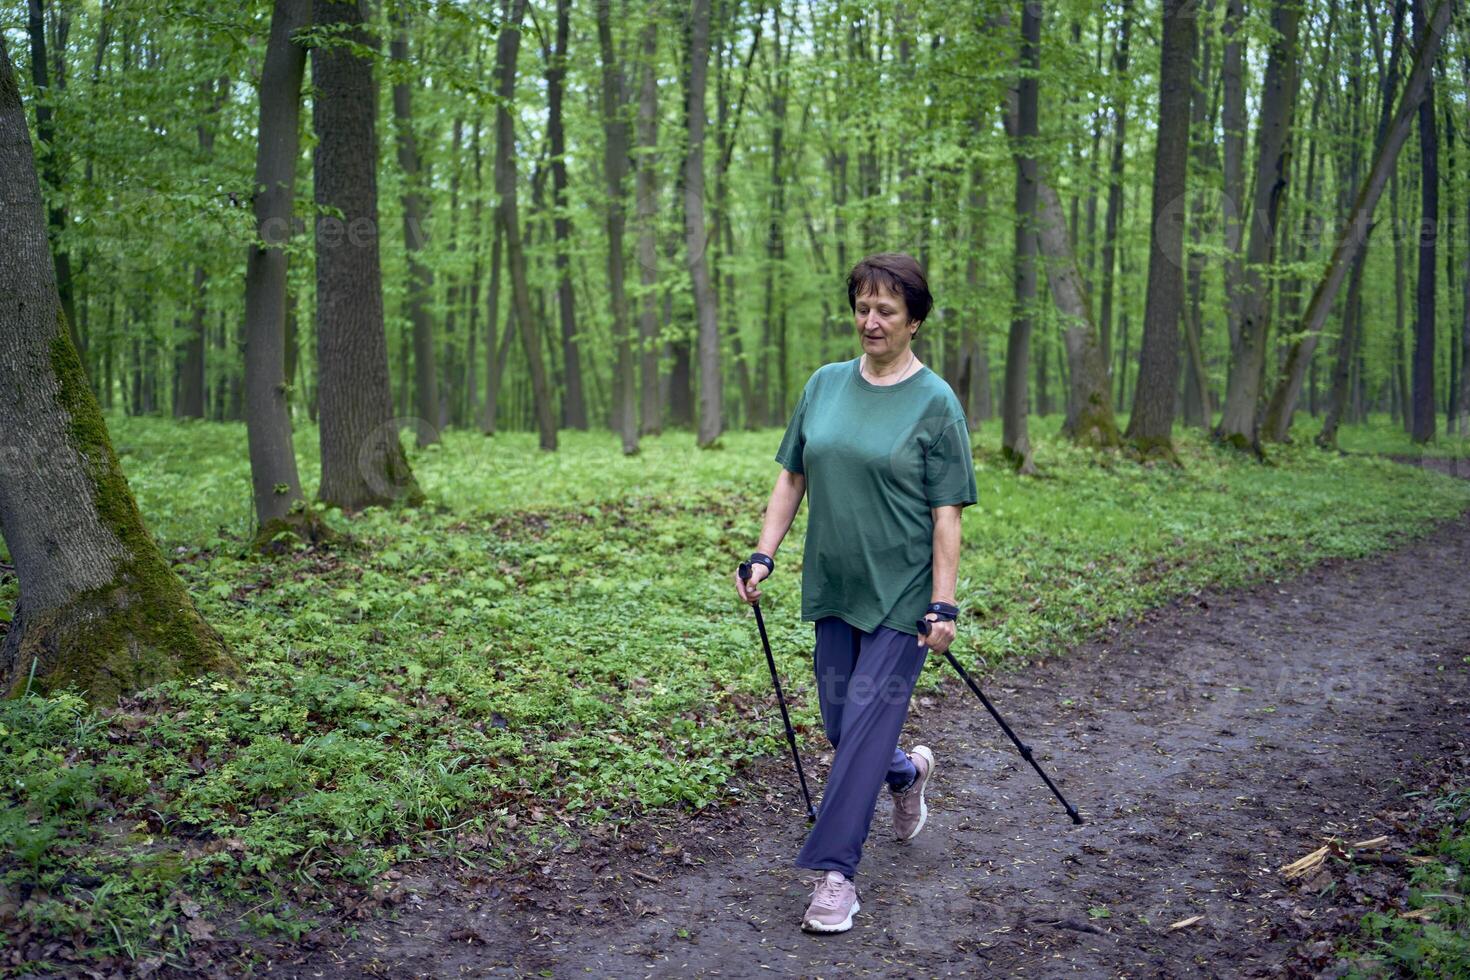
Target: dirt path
(1217, 740)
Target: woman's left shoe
(909, 810)
(834, 901)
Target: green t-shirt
(876, 459)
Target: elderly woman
(880, 447)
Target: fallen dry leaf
(1185, 923)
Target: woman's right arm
(780, 512)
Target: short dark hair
(896, 272)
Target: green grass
(551, 644)
(1437, 945)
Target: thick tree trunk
(1113, 215)
(1248, 356)
(1151, 424)
(696, 235)
(279, 502)
(1393, 131)
(615, 170)
(574, 400)
(415, 233)
(1425, 423)
(362, 459)
(1015, 440)
(507, 49)
(646, 189)
(99, 608)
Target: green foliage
(552, 644)
(1434, 943)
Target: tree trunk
(1232, 121)
(711, 400)
(279, 502)
(1015, 440)
(646, 189)
(1393, 131)
(615, 170)
(574, 401)
(1113, 216)
(1462, 406)
(190, 401)
(420, 279)
(1248, 356)
(1425, 423)
(362, 460)
(1151, 424)
(100, 609)
(1090, 420)
(507, 48)
(56, 217)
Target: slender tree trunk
(1015, 440)
(1090, 419)
(190, 401)
(1462, 406)
(279, 502)
(492, 350)
(1393, 131)
(420, 279)
(1113, 216)
(1233, 202)
(51, 167)
(646, 189)
(615, 170)
(362, 460)
(100, 609)
(1151, 424)
(1424, 423)
(507, 48)
(574, 401)
(1278, 98)
(711, 398)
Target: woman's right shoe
(909, 809)
(834, 902)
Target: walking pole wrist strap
(944, 610)
(759, 558)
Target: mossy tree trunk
(362, 459)
(696, 238)
(99, 610)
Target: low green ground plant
(550, 645)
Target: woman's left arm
(946, 573)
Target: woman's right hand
(747, 590)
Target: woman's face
(883, 323)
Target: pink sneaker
(909, 809)
(834, 901)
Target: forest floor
(1207, 745)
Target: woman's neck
(889, 370)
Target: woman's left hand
(941, 634)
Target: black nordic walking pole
(1025, 749)
(811, 815)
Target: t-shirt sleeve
(793, 443)
(949, 469)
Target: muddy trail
(1207, 745)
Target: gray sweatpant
(864, 681)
